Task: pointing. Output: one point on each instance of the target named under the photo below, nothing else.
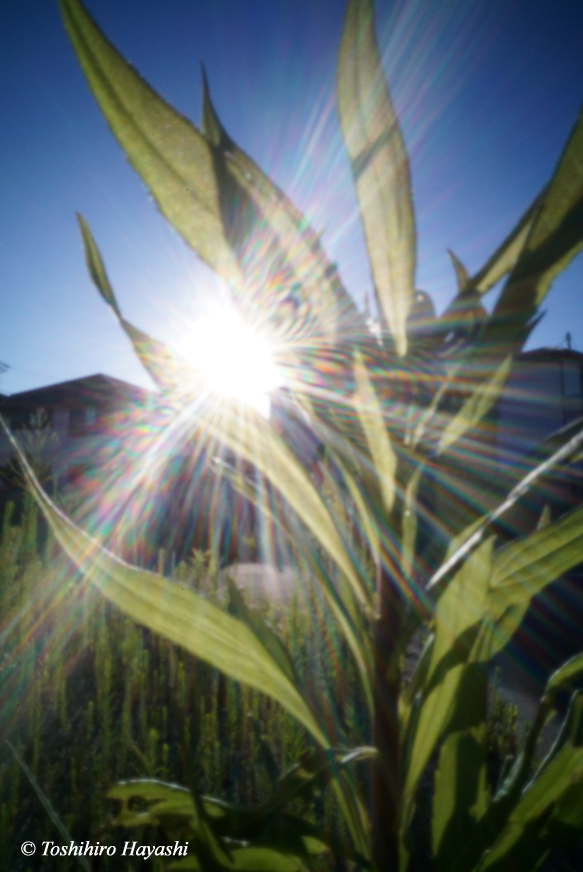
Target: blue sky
(486, 92)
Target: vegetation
(89, 697)
(410, 522)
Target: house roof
(93, 389)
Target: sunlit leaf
(550, 812)
(461, 273)
(567, 674)
(171, 372)
(524, 567)
(508, 252)
(172, 157)
(380, 167)
(377, 436)
(253, 438)
(469, 538)
(478, 404)
(306, 288)
(555, 237)
(176, 613)
(458, 617)
(261, 630)
(461, 794)
(410, 521)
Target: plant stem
(386, 794)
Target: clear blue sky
(486, 91)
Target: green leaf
(410, 522)
(174, 160)
(526, 566)
(473, 535)
(478, 404)
(96, 266)
(461, 794)
(253, 438)
(555, 237)
(176, 613)
(46, 804)
(458, 616)
(380, 167)
(551, 807)
(303, 287)
(461, 273)
(261, 630)
(508, 252)
(377, 436)
(567, 674)
(171, 372)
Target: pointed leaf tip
(380, 167)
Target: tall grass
(89, 697)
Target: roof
(89, 389)
(549, 354)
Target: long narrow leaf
(312, 290)
(380, 167)
(172, 157)
(477, 405)
(506, 255)
(377, 436)
(555, 237)
(169, 370)
(175, 612)
(253, 438)
(477, 531)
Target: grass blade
(63, 831)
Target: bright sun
(232, 359)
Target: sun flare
(232, 359)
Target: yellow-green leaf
(173, 158)
(303, 288)
(461, 273)
(380, 167)
(508, 252)
(477, 405)
(171, 372)
(250, 436)
(370, 414)
(177, 613)
(555, 237)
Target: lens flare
(232, 359)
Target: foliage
(407, 470)
(89, 697)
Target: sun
(232, 359)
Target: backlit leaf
(478, 404)
(380, 167)
(173, 158)
(461, 273)
(177, 613)
(299, 284)
(507, 253)
(377, 436)
(168, 369)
